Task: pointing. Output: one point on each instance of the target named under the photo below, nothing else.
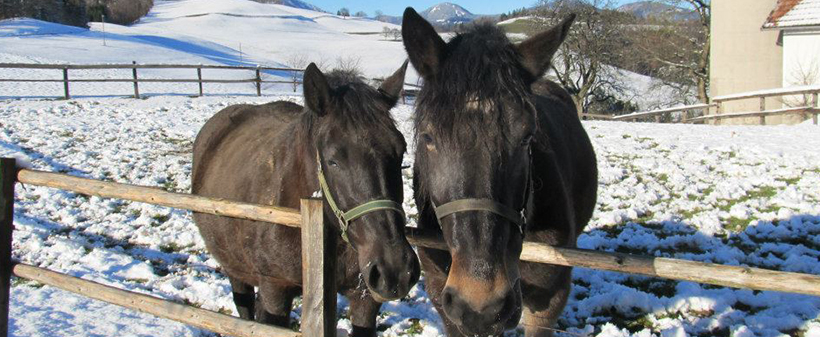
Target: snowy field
(739, 195)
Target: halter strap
(356, 212)
(488, 205)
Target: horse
(496, 161)
(344, 143)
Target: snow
(737, 195)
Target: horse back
(568, 163)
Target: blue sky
(397, 7)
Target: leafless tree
(582, 64)
(681, 49)
(391, 33)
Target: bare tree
(391, 33)
(582, 64)
(343, 12)
(681, 49)
(360, 14)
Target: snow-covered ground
(740, 195)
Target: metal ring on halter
(356, 212)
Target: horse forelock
(480, 75)
(360, 111)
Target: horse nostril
(447, 298)
(374, 277)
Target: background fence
(319, 295)
(699, 113)
(255, 75)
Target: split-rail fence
(319, 293)
(293, 75)
(810, 105)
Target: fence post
(65, 83)
(816, 107)
(136, 82)
(7, 179)
(258, 81)
(199, 76)
(763, 108)
(318, 272)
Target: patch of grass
(633, 321)
(160, 218)
(789, 181)
(19, 281)
(173, 247)
(657, 287)
(736, 224)
(415, 327)
(663, 178)
(625, 136)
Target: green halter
(356, 212)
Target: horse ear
(316, 90)
(423, 45)
(391, 87)
(537, 51)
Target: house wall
(744, 57)
(801, 57)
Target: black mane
(359, 109)
(479, 65)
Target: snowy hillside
(232, 32)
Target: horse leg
(543, 306)
(363, 312)
(274, 302)
(243, 298)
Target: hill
(292, 3)
(447, 13)
(652, 9)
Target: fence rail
(743, 277)
(136, 79)
(812, 107)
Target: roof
(794, 14)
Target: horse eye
(332, 163)
(427, 138)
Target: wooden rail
(201, 318)
(533, 252)
(319, 295)
(660, 112)
(136, 79)
(812, 109)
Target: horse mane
(481, 68)
(357, 108)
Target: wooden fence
(811, 107)
(319, 296)
(256, 78)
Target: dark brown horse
(496, 161)
(268, 154)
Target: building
(760, 45)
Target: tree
(391, 33)
(343, 12)
(582, 63)
(379, 13)
(681, 50)
(360, 14)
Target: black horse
(268, 154)
(500, 156)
